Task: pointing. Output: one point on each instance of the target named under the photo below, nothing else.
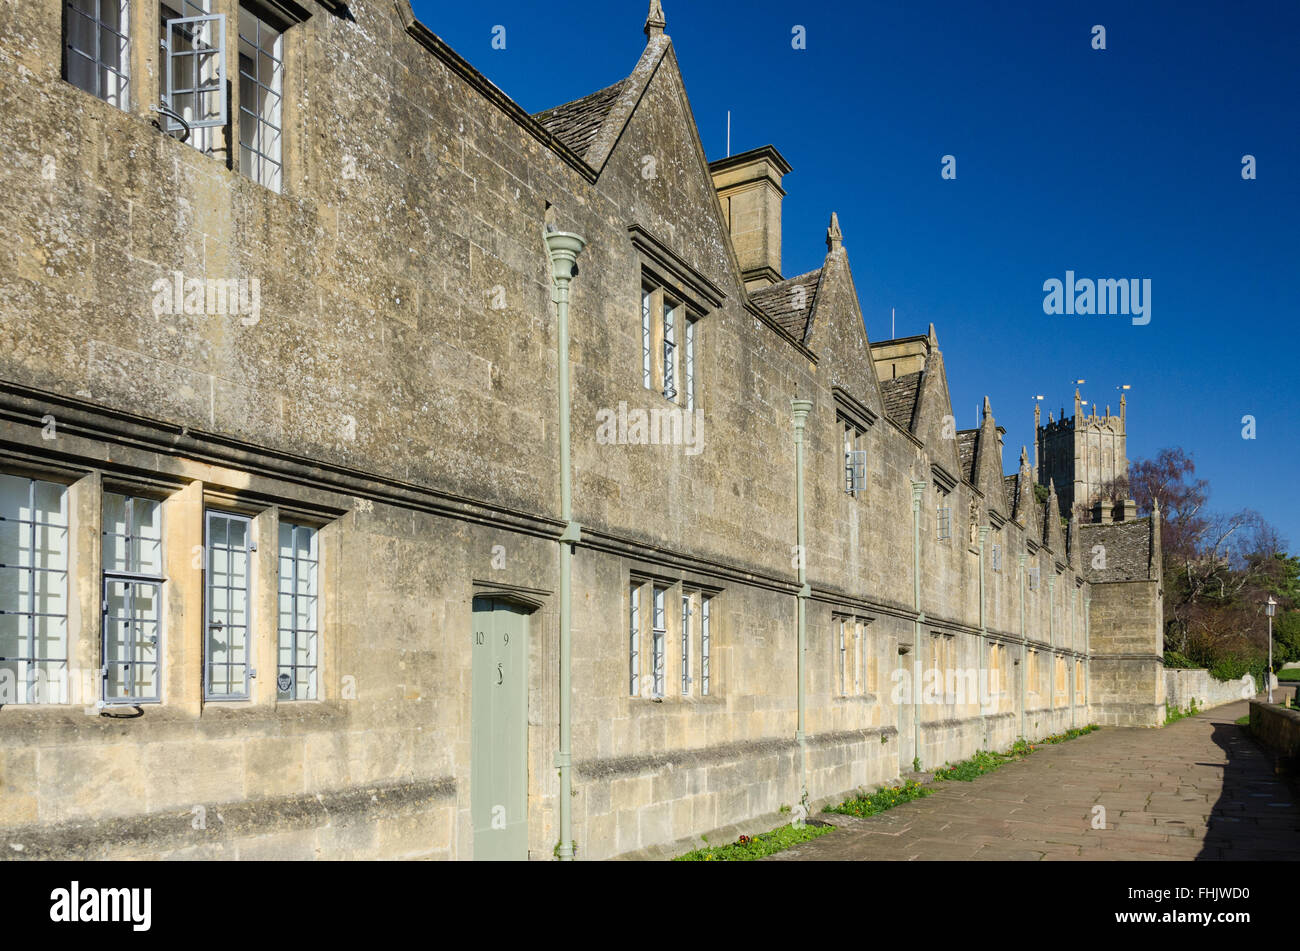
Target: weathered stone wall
(1182, 686)
(398, 387)
(1277, 729)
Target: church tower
(1082, 456)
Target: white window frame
(855, 459)
(688, 361)
(634, 638)
(943, 518)
(132, 576)
(31, 661)
(189, 101)
(670, 389)
(706, 646)
(209, 607)
(647, 337)
(259, 161)
(104, 74)
(295, 565)
(659, 640)
(687, 613)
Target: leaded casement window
(688, 619)
(842, 655)
(706, 646)
(670, 353)
(634, 639)
(659, 639)
(192, 76)
(34, 553)
(943, 520)
(647, 338)
(688, 364)
(132, 604)
(668, 347)
(1035, 577)
(855, 457)
(97, 48)
(692, 651)
(261, 93)
(226, 651)
(299, 640)
(997, 556)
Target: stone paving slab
(1196, 789)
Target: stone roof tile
(900, 395)
(576, 123)
(1127, 546)
(790, 302)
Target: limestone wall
(398, 389)
(1181, 686)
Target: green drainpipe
(1087, 653)
(1051, 639)
(917, 489)
(984, 638)
(801, 409)
(564, 249)
(1024, 648)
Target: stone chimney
(1101, 511)
(750, 192)
(1126, 511)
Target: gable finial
(654, 21)
(988, 408)
(834, 237)
(1024, 458)
(934, 341)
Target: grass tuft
(747, 848)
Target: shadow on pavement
(1256, 815)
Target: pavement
(1197, 789)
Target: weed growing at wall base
(885, 798)
(747, 848)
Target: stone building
(1083, 456)
(299, 541)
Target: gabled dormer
(986, 470)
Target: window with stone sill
(132, 631)
(299, 596)
(34, 563)
(997, 557)
(97, 48)
(855, 456)
(192, 72)
(855, 671)
(261, 97)
(650, 649)
(668, 347)
(943, 519)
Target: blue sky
(1116, 163)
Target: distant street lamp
(1270, 608)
